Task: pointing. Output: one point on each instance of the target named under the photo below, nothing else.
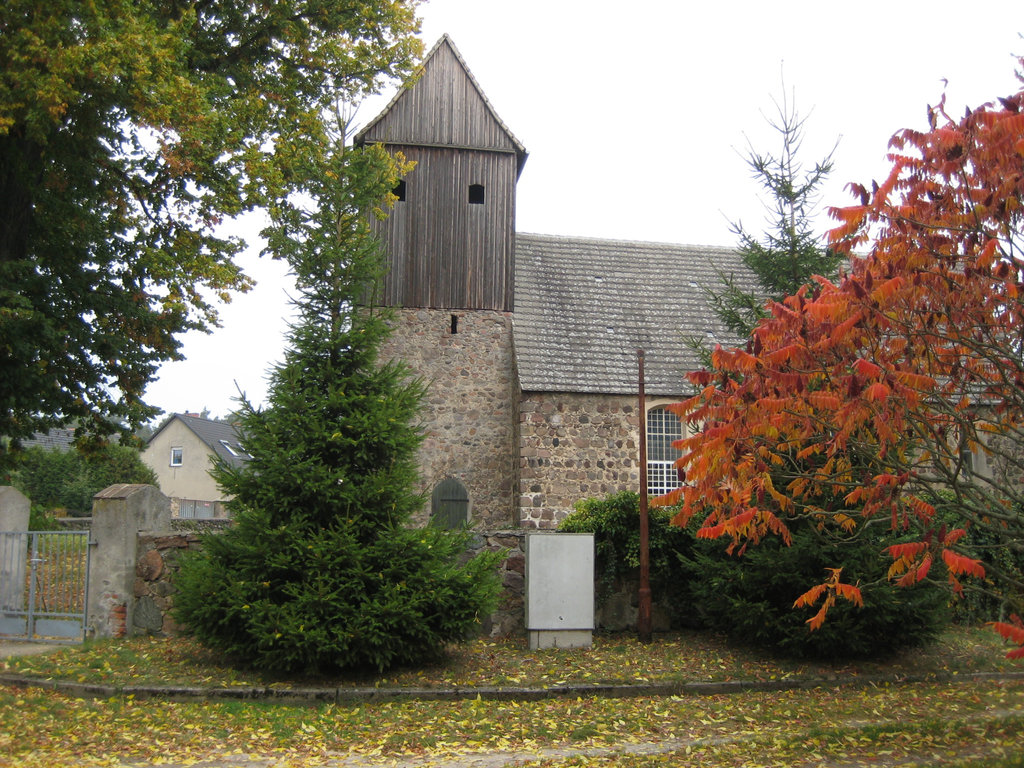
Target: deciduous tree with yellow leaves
(128, 131)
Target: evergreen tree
(789, 253)
(746, 593)
(322, 569)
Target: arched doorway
(449, 504)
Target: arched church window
(449, 504)
(663, 428)
(476, 194)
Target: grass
(927, 723)
(613, 659)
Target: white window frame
(662, 475)
(177, 452)
(231, 450)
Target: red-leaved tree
(897, 392)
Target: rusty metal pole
(643, 621)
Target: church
(528, 343)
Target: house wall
(572, 447)
(469, 411)
(192, 479)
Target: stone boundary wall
(159, 557)
(158, 560)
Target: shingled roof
(584, 306)
(56, 439)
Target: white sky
(636, 117)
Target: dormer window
(476, 194)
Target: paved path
(20, 648)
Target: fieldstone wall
(470, 406)
(572, 447)
(509, 618)
(1006, 462)
(159, 559)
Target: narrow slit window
(455, 324)
(476, 194)
(399, 191)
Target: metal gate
(44, 581)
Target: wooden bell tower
(450, 236)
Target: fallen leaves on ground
(808, 727)
(882, 725)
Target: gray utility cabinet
(560, 589)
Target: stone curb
(314, 696)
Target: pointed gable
(443, 106)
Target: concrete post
(14, 511)
(119, 514)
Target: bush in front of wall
(750, 597)
(615, 522)
(66, 481)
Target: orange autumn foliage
(870, 389)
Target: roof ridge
(627, 241)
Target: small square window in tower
(476, 194)
(449, 504)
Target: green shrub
(303, 599)
(40, 519)
(750, 597)
(66, 481)
(615, 523)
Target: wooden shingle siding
(445, 252)
(462, 258)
